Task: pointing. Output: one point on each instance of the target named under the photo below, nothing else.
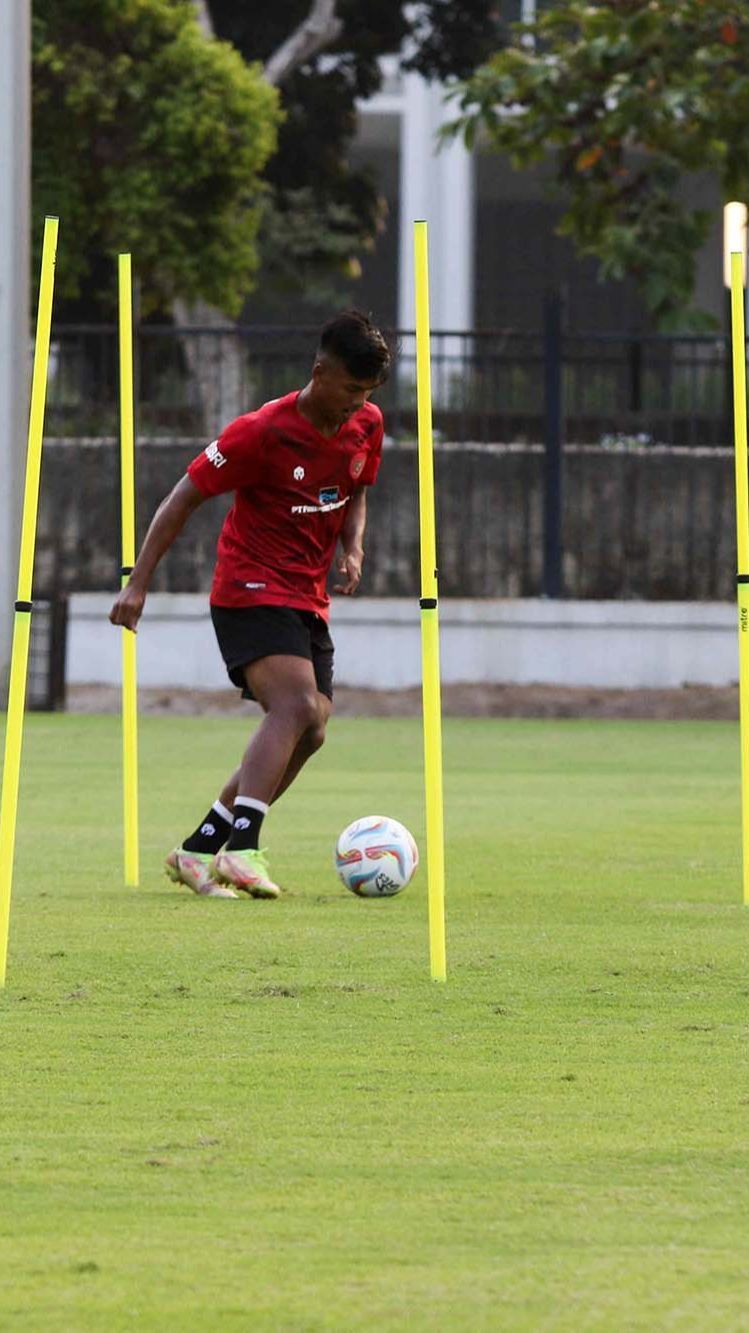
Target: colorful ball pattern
(376, 857)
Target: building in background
(494, 250)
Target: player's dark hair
(351, 337)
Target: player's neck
(312, 411)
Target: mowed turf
(265, 1116)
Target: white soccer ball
(376, 857)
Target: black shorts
(247, 633)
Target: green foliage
(148, 138)
(336, 210)
(305, 237)
(631, 97)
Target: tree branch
(320, 28)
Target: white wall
(629, 645)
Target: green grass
(265, 1116)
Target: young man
(300, 466)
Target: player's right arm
(230, 461)
(166, 524)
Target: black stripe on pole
(126, 570)
(427, 603)
(742, 578)
(23, 606)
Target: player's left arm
(351, 557)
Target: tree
(631, 96)
(149, 137)
(325, 212)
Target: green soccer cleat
(194, 870)
(247, 871)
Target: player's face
(339, 393)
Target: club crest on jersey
(328, 496)
(357, 465)
(298, 474)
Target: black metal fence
(45, 687)
(488, 387)
(658, 524)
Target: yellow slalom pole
(738, 343)
(22, 623)
(129, 656)
(430, 642)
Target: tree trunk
(215, 359)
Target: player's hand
(128, 608)
(349, 567)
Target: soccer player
(300, 467)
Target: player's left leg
(192, 863)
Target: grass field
(264, 1116)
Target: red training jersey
(292, 485)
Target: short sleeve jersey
(293, 486)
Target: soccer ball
(376, 857)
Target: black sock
(248, 817)
(212, 832)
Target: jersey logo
(328, 496)
(357, 465)
(298, 474)
(214, 455)
(321, 508)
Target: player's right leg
(195, 871)
(191, 863)
(310, 743)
